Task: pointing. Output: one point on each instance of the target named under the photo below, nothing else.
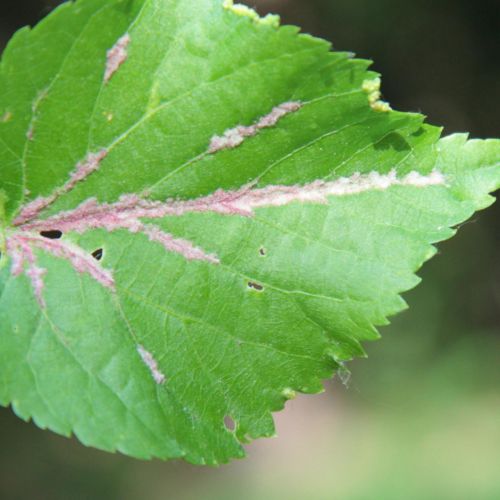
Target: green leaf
(204, 213)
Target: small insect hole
(229, 423)
(54, 234)
(97, 254)
(262, 251)
(255, 286)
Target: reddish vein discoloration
(127, 212)
(245, 201)
(24, 260)
(111, 217)
(36, 274)
(116, 56)
(87, 216)
(151, 363)
(20, 247)
(33, 209)
(30, 134)
(81, 261)
(178, 245)
(235, 136)
(82, 170)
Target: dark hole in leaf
(255, 286)
(53, 234)
(97, 254)
(229, 423)
(262, 251)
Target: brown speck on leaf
(255, 286)
(229, 423)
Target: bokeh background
(420, 417)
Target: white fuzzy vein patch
(20, 247)
(130, 211)
(319, 191)
(233, 137)
(82, 170)
(116, 56)
(152, 364)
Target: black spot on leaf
(53, 234)
(97, 254)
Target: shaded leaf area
(181, 355)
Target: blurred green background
(421, 417)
